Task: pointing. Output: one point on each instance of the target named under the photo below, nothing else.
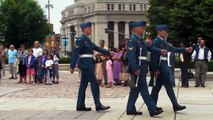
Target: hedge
(191, 65)
(64, 60)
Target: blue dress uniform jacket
(160, 63)
(84, 46)
(137, 53)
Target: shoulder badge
(130, 48)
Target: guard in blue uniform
(160, 66)
(137, 62)
(84, 48)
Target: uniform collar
(137, 35)
(85, 36)
(160, 37)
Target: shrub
(191, 65)
(64, 60)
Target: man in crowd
(37, 52)
(12, 55)
(103, 58)
(201, 56)
(184, 65)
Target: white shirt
(29, 59)
(49, 63)
(201, 54)
(55, 59)
(181, 57)
(37, 52)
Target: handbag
(124, 76)
(190, 74)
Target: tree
(187, 19)
(158, 13)
(22, 22)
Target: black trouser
(184, 74)
(36, 71)
(105, 72)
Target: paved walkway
(57, 102)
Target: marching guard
(137, 62)
(84, 49)
(161, 69)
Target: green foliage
(22, 22)
(191, 65)
(187, 19)
(64, 60)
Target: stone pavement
(57, 102)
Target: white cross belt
(142, 58)
(86, 56)
(163, 58)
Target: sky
(58, 6)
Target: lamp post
(48, 6)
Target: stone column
(68, 47)
(126, 29)
(100, 33)
(78, 29)
(93, 32)
(116, 34)
(62, 31)
(64, 35)
(68, 37)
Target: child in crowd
(41, 70)
(22, 68)
(48, 66)
(99, 69)
(109, 69)
(56, 58)
(30, 61)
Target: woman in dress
(117, 65)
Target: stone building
(112, 14)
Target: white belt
(163, 58)
(86, 56)
(142, 58)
